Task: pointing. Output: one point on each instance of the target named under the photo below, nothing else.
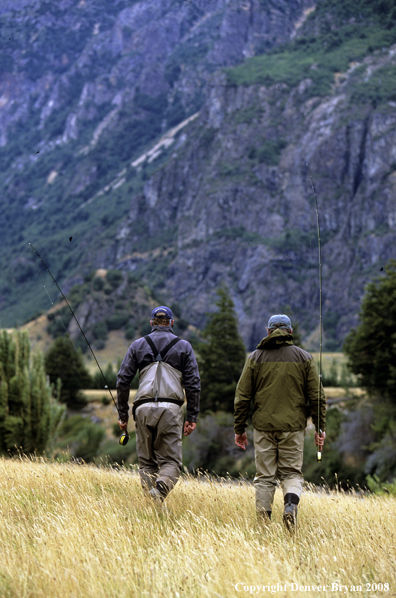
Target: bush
(130, 331)
(81, 437)
(114, 278)
(99, 330)
(63, 362)
(98, 283)
(117, 320)
(58, 322)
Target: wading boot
(290, 512)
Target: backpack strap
(159, 356)
(169, 346)
(153, 347)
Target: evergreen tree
(371, 347)
(371, 352)
(64, 362)
(28, 413)
(222, 357)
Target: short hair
(161, 321)
(279, 326)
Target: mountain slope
(230, 198)
(85, 87)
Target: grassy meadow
(72, 531)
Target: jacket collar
(276, 338)
(162, 329)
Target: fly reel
(124, 438)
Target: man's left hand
(123, 425)
(241, 440)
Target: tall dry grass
(72, 531)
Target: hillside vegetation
(69, 530)
(88, 88)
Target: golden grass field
(73, 531)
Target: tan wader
(278, 455)
(159, 443)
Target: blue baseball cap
(162, 312)
(279, 321)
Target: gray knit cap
(279, 321)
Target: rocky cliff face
(239, 199)
(120, 128)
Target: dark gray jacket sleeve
(125, 376)
(192, 384)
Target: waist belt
(143, 401)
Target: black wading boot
(290, 512)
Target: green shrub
(114, 278)
(117, 320)
(130, 332)
(100, 330)
(98, 283)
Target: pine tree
(371, 347)
(28, 413)
(371, 352)
(64, 362)
(222, 357)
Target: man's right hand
(319, 439)
(189, 427)
(241, 440)
(123, 425)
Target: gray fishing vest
(159, 381)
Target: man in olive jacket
(282, 380)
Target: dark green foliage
(81, 437)
(371, 351)
(371, 347)
(379, 89)
(100, 331)
(110, 375)
(64, 362)
(118, 320)
(333, 470)
(145, 328)
(98, 283)
(222, 357)
(58, 322)
(120, 454)
(130, 331)
(212, 448)
(28, 413)
(346, 33)
(114, 278)
(268, 152)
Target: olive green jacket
(282, 381)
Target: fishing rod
(319, 451)
(124, 436)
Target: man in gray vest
(166, 365)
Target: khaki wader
(159, 443)
(278, 455)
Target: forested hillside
(88, 87)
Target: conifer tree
(371, 352)
(371, 346)
(222, 357)
(28, 413)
